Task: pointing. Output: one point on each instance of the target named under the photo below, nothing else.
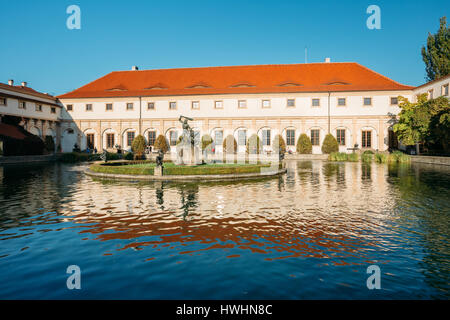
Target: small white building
(39, 113)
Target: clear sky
(36, 46)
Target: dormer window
(242, 85)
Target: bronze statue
(160, 159)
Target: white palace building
(354, 103)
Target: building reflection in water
(340, 213)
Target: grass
(173, 169)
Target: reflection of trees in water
(366, 172)
(420, 208)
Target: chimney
(11, 82)
(24, 84)
(327, 60)
(134, 68)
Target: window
(151, 138)
(315, 135)
(316, 102)
(291, 103)
(342, 102)
(22, 105)
(89, 107)
(172, 105)
(242, 104)
(366, 139)
(52, 109)
(266, 103)
(39, 107)
(340, 136)
(367, 101)
(218, 137)
(394, 101)
(266, 137)
(109, 107)
(290, 137)
(151, 106)
(218, 104)
(195, 105)
(430, 94)
(2, 101)
(69, 107)
(110, 140)
(130, 106)
(90, 140)
(130, 138)
(242, 137)
(173, 138)
(444, 90)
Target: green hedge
(304, 145)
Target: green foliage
(330, 144)
(338, 156)
(49, 144)
(381, 157)
(352, 157)
(254, 145)
(426, 121)
(366, 157)
(161, 143)
(207, 142)
(368, 152)
(229, 144)
(400, 157)
(129, 156)
(437, 53)
(279, 145)
(138, 146)
(304, 145)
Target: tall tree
(436, 55)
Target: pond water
(310, 234)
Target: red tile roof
(312, 77)
(27, 90)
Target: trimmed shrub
(254, 145)
(229, 144)
(330, 144)
(381, 157)
(353, 157)
(368, 152)
(304, 145)
(366, 157)
(279, 145)
(338, 156)
(138, 146)
(129, 156)
(398, 156)
(161, 143)
(207, 143)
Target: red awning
(11, 131)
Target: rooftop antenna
(306, 54)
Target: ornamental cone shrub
(254, 145)
(138, 146)
(279, 146)
(304, 145)
(161, 144)
(229, 144)
(330, 144)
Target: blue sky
(37, 47)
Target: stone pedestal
(158, 171)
